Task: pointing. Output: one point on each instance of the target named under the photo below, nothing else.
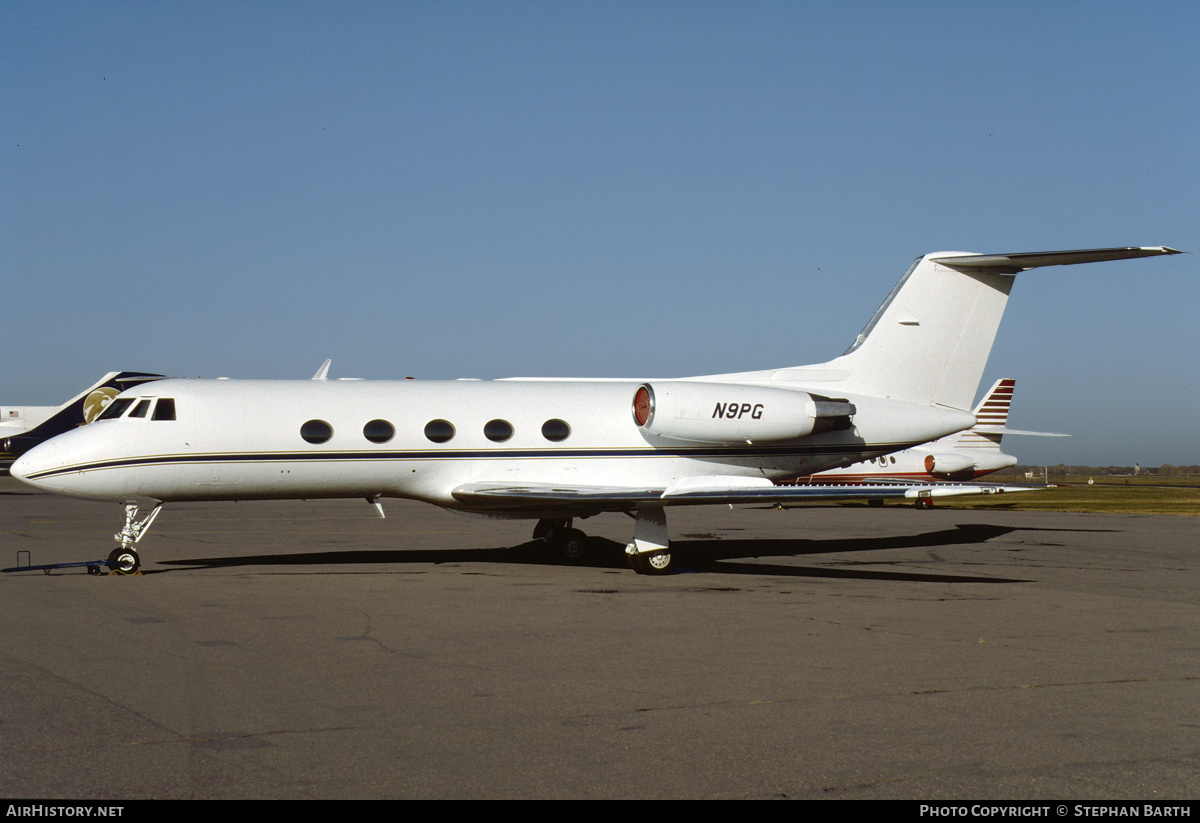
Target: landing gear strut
(650, 551)
(125, 559)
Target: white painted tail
(930, 340)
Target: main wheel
(658, 562)
(124, 561)
(923, 503)
(573, 545)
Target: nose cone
(36, 466)
(80, 463)
(55, 466)
(19, 468)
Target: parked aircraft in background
(23, 427)
(555, 450)
(967, 455)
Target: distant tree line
(1165, 470)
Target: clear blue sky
(488, 189)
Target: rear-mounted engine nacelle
(722, 413)
(949, 465)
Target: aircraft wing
(541, 497)
(1002, 430)
(548, 496)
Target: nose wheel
(124, 561)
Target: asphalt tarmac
(312, 650)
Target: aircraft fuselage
(242, 440)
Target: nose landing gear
(125, 559)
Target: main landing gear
(571, 544)
(124, 559)
(649, 553)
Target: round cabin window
(316, 431)
(556, 430)
(439, 431)
(498, 430)
(379, 431)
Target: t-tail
(930, 340)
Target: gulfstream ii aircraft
(555, 450)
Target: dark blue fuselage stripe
(557, 454)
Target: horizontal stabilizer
(1023, 261)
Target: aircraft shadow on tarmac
(694, 556)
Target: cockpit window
(116, 408)
(165, 410)
(141, 409)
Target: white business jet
(967, 455)
(555, 450)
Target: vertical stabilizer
(930, 340)
(992, 417)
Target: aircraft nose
(37, 460)
(60, 465)
(20, 468)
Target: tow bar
(93, 566)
